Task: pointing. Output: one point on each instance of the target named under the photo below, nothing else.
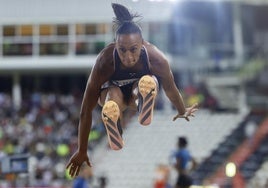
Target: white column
(36, 40)
(238, 33)
(71, 39)
(16, 91)
(1, 40)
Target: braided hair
(124, 20)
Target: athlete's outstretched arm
(89, 102)
(160, 67)
(176, 98)
(98, 76)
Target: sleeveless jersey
(122, 77)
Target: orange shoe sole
(148, 91)
(110, 117)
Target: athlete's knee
(111, 93)
(115, 94)
(156, 81)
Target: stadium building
(217, 50)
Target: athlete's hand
(75, 163)
(188, 113)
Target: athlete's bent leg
(111, 111)
(147, 92)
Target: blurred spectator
(209, 101)
(102, 182)
(266, 184)
(184, 163)
(250, 129)
(200, 94)
(162, 177)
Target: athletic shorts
(125, 89)
(184, 180)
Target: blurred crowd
(46, 128)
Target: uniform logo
(124, 82)
(132, 74)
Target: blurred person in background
(184, 163)
(266, 184)
(125, 75)
(162, 176)
(250, 129)
(102, 181)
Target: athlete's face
(129, 48)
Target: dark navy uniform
(125, 78)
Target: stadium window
(103, 28)
(53, 48)
(62, 29)
(26, 30)
(80, 29)
(91, 29)
(9, 30)
(84, 48)
(81, 48)
(46, 29)
(17, 49)
(99, 45)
